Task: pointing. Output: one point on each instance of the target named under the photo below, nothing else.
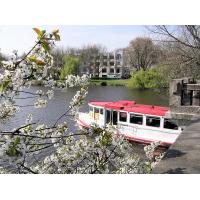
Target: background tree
(182, 47)
(141, 53)
(71, 66)
(59, 53)
(89, 55)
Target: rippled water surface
(62, 98)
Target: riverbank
(109, 82)
(99, 82)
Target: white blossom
(89, 151)
(29, 118)
(50, 94)
(40, 103)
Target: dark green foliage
(103, 84)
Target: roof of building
(132, 106)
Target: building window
(111, 63)
(104, 70)
(118, 70)
(123, 116)
(104, 57)
(168, 124)
(105, 63)
(111, 57)
(97, 64)
(153, 121)
(112, 71)
(118, 56)
(136, 119)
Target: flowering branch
(54, 148)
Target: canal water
(62, 98)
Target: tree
(60, 53)
(71, 66)
(89, 55)
(182, 47)
(141, 53)
(93, 150)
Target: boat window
(90, 109)
(96, 110)
(123, 116)
(101, 111)
(114, 117)
(107, 116)
(153, 121)
(136, 119)
(170, 124)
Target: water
(62, 98)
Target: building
(109, 65)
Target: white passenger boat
(136, 122)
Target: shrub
(103, 84)
(151, 78)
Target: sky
(22, 38)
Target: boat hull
(133, 137)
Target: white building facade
(109, 65)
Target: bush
(151, 78)
(103, 84)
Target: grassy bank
(99, 82)
(109, 82)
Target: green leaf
(12, 151)
(3, 86)
(37, 61)
(46, 46)
(17, 141)
(57, 37)
(55, 31)
(39, 32)
(32, 58)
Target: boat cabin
(128, 113)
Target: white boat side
(142, 133)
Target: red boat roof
(132, 106)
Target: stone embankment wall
(184, 99)
(183, 156)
